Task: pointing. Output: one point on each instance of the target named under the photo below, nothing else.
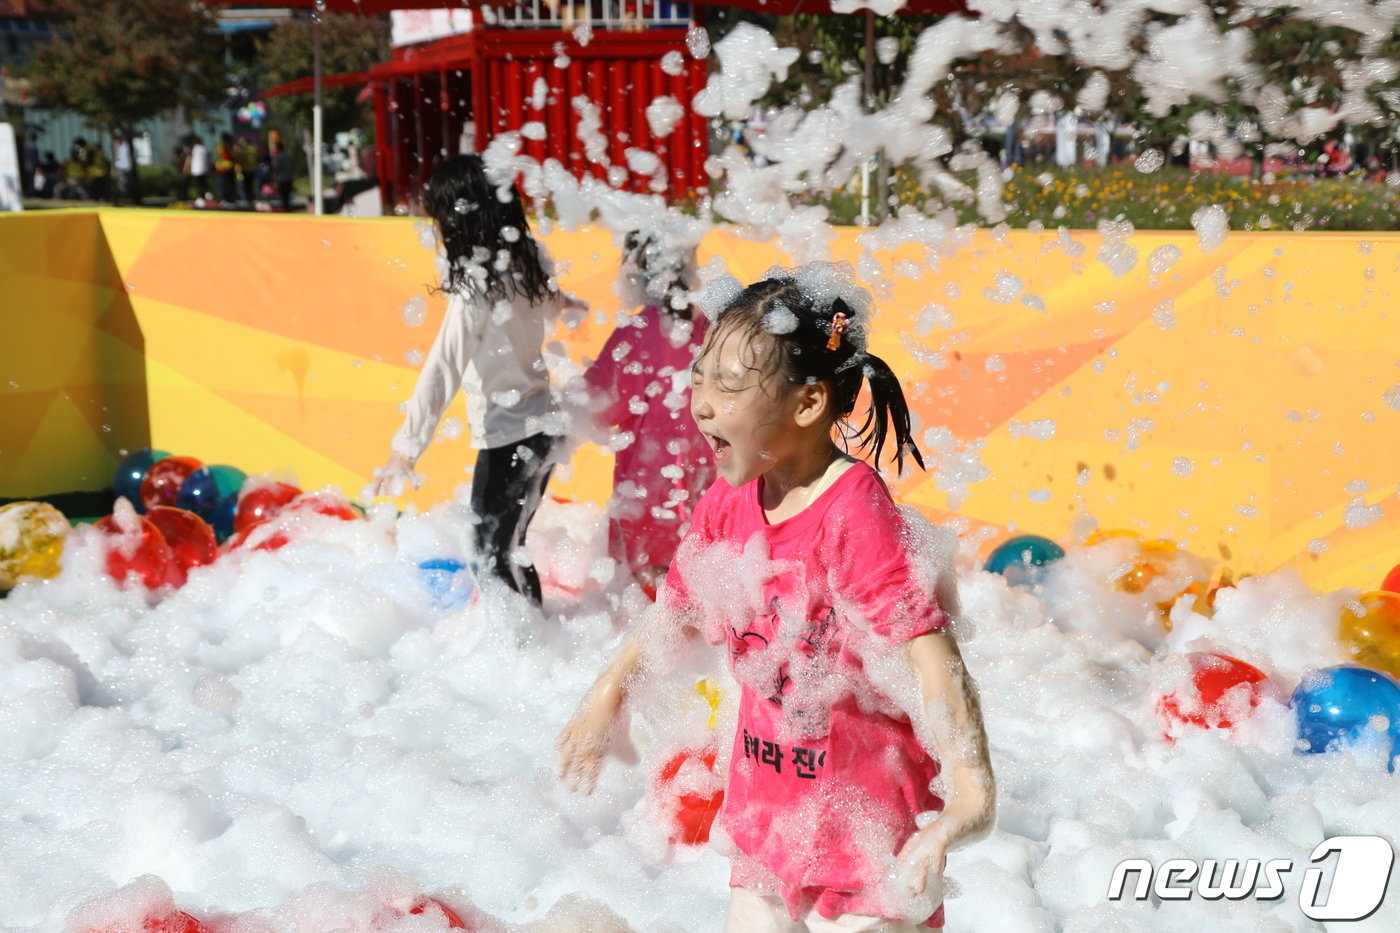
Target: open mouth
(721, 447)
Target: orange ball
(1372, 635)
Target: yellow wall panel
(1235, 400)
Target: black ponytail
(888, 409)
(822, 339)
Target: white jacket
(492, 349)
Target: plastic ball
(1221, 689)
(164, 479)
(1347, 705)
(260, 502)
(176, 921)
(694, 813)
(1203, 595)
(1391, 583)
(1373, 635)
(131, 473)
(1021, 558)
(454, 922)
(137, 549)
(325, 503)
(31, 541)
(449, 582)
(211, 492)
(1153, 560)
(190, 538)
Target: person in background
(122, 167)
(640, 385)
(29, 164)
(47, 176)
(180, 160)
(502, 302)
(226, 170)
(197, 168)
(245, 154)
(99, 174)
(283, 170)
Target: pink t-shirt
(827, 773)
(644, 373)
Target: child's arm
(584, 740)
(953, 720)
(437, 384)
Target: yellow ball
(31, 541)
(1373, 635)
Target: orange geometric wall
(1244, 401)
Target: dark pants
(506, 490)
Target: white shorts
(754, 912)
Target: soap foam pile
(299, 740)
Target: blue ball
(1342, 706)
(126, 484)
(449, 582)
(211, 492)
(1021, 559)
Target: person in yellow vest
(99, 173)
(225, 169)
(245, 156)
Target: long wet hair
(485, 234)
(800, 317)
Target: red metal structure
(530, 72)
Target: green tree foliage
(117, 62)
(349, 43)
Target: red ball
(454, 922)
(1203, 701)
(694, 813)
(163, 480)
(1391, 583)
(261, 502)
(191, 540)
(177, 921)
(141, 552)
(324, 503)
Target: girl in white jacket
(502, 303)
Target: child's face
(741, 406)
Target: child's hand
(927, 850)
(585, 739)
(390, 479)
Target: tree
(117, 63)
(349, 43)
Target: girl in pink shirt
(641, 381)
(853, 696)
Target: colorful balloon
(131, 473)
(1021, 559)
(1219, 690)
(164, 479)
(1342, 706)
(137, 549)
(1373, 635)
(449, 582)
(261, 501)
(191, 540)
(211, 492)
(694, 812)
(31, 541)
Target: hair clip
(839, 324)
